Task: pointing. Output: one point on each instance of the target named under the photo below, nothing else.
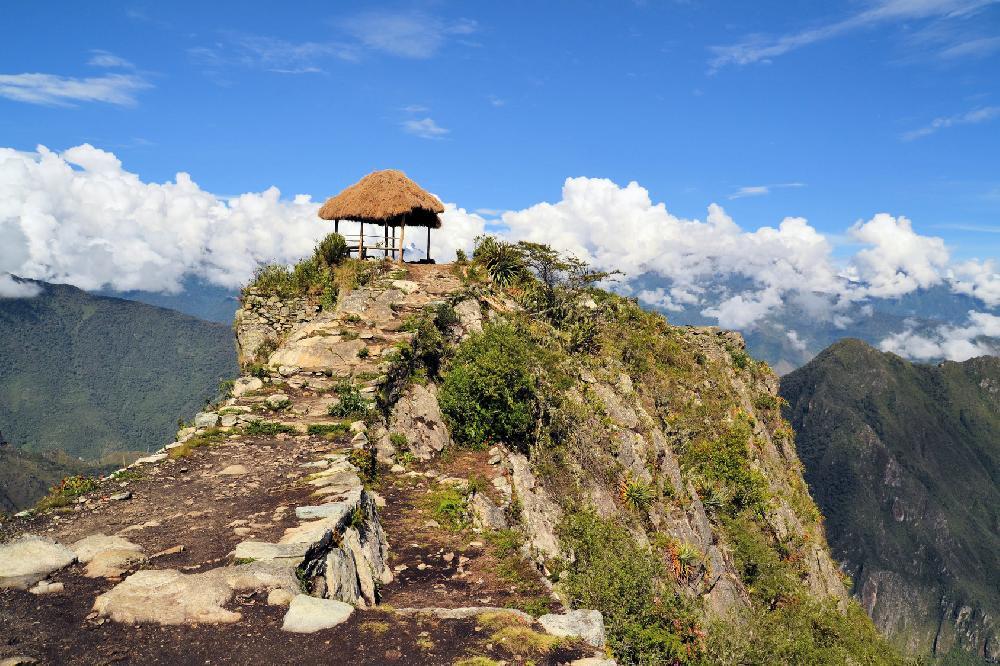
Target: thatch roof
(385, 197)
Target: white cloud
(108, 60)
(78, 217)
(425, 128)
(53, 90)
(973, 117)
(11, 288)
(899, 260)
(763, 48)
(979, 279)
(760, 190)
(955, 343)
(412, 34)
(798, 344)
(269, 54)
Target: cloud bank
(79, 217)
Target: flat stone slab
(587, 625)
(88, 547)
(308, 614)
(234, 470)
(463, 613)
(155, 458)
(265, 552)
(167, 596)
(29, 559)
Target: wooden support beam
(361, 242)
(385, 245)
(428, 242)
(402, 234)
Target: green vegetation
(68, 490)
(93, 376)
(328, 430)
(449, 506)
(259, 427)
(903, 460)
(488, 393)
(25, 477)
(810, 632)
(647, 622)
(367, 463)
(206, 438)
(316, 276)
(352, 403)
(722, 471)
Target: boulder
(277, 401)
(486, 514)
(206, 420)
(352, 541)
(279, 597)
(245, 385)
(308, 614)
(29, 559)
(267, 552)
(587, 625)
(405, 286)
(89, 547)
(470, 316)
(418, 417)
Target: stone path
(243, 535)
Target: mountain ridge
(903, 460)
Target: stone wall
(262, 318)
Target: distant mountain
(904, 461)
(197, 298)
(90, 375)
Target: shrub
(810, 632)
(723, 471)
(351, 404)
(331, 429)
(258, 427)
(68, 489)
(504, 262)
(366, 462)
(398, 440)
(636, 494)
(489, 391)
(206, 438)
(646, 621)
(332, 250)
(449, 506)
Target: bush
(809, 632)
(332, 250)
(489, 391)
(258, 427)
(504, 263)
(327, 429)
(646, 621)
(351, 404)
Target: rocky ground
(253, 539)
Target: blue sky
(837, 110)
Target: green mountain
(904, 461)
(90, 375)
(25, 476)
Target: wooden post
(386, 244)
(336, 226)
(428, 243)
(402, 234)
(361, 242)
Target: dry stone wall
(264, 320)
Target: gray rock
(87, 548)
(341, 576)
(352, 541)
(266, 552)
(308, 614)
(206, 420)
(29, 559)
(487, 514)
(119, 497)
(228, 420)
(405, 286)
(277, 401)
(418, 417)
(470, 315)
(587, 625)
(167, 596)
(245, 385)
(148, 460)
(287, 370)
(539, 514)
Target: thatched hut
(388, 199)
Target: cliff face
(904, 461)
